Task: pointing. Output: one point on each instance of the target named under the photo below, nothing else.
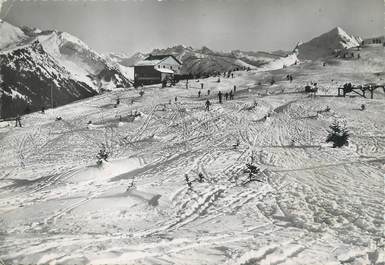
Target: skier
(362, 108)
(220, 97)
(200, 177)
(226, 95)
(231, 95)
(188, 182)
(199, 94)
(201, 85)
(176, 98)
(18, 120)
(208, 105)
(235, 89)
(208, 92)
(232, 75)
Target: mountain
(205, 60)
(126, 60)
(324, 45)
(34, 62)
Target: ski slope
(316, 204)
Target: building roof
(155, 59)
(164, 70)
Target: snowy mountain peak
(326, 43)
(9, 34)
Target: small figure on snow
(208, 92)
(199, 94)
(231, 95)
(220, 97)
(207, 104)
(363, 107)
(226, 95)
(42, 110)
(200, 177)
(18, 120)
(188, 182)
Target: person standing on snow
(226, 95)
(235, 89)
(199, 94)
(200, 177)
(188, 182)
(220, 97)
(208, 92)
(231, 95)
(208, 105)
(18, 120)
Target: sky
(131, 26)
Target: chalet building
(156, 68)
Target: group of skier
(189, 182)
(227, 96)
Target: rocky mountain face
(34, 63)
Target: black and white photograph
(192, 132)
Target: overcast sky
(130, 26)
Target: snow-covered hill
(325, 44)
(67, 65)
(315, 205)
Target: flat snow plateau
(317, 205)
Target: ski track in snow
(316, 205)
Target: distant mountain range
(205, 60)
(34, 63)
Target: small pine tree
(338, 135)
(252, 171)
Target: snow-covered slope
(316, 205)
(325, 44)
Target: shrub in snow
(102, 155)
(338, 135)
